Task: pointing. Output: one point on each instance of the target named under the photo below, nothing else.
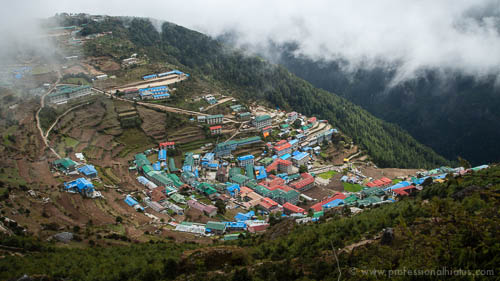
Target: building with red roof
(370, 184)
(312, 120)
(386, 181)
(289, 208)
(319, 206)
(305, 182)
(268, 204)
(257, 227)
(168, 144)
(216, 130)
(404, 191)
(282, 166)
(282, 149)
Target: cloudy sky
(416, 34)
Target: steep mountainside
(254, 78)
(454, 114)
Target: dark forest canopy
(454, 114)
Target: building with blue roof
(294, 143)
(80, 185)
(88, 171)
(151, 76)
(246, 160)
(244, 217)
(260, 172)
(300, 159)
(207, 158)
(398, 185)
(239, 225)
(286, 156)
(332, 204)
(162, 155)
(157, 166)
(233, 189)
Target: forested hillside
(455, 114)
(452, 225)
(254, 78)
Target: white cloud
(459, 35)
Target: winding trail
(37, 116)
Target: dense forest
(453, 225)
(455, 114)
(256, 79)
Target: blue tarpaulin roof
(88, 170)
(130, 201)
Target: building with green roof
(214, 119)
(351, 199)
(66, 93)
(64, 165)
(215, 227)
(318, 215)
(266, 161)
(225, 148)
(373, 191)
(171, 165)
(242, 180)
(206, 188)
(249, 172)
(141, 160)
(369, 201)
(175, 179)
(178, 198)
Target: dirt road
(37, 116)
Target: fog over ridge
(454, 35)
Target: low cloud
(454, 35)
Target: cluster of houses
(82, 185)
(266, 184)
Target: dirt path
(162, 107)
(351, 247)
(42, 104)
(61, 116)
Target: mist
(453, 35)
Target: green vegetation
(47, 116)
(435, 115)
(327, 175)
(10, 175)
(70, 142)
(350, 187)
(134, 140)
(453, 224)
(254, 78)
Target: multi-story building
(214, 119)
(282, 149)
(262, 121)
(300, 159)
(246, 160)
(215, 130)
(66, 93)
